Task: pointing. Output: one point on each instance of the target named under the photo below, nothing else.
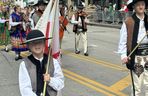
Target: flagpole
(50, 53)
(47, 68)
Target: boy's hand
(46, 77)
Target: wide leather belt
(142, 49)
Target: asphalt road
(99, 74)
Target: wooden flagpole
(50, 53)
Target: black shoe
(6, 50)
(77, 52)
(86, 54)
(17, 58)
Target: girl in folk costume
(80, 29)
(18, 35)
(4, 33)
(132, 32)
(2, 23)
(5, 27)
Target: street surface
(99, 74)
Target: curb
(104, 25)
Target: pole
(47, 68)
(50, 50)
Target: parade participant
(32, 69)
(31, 10)
(38, 13)
(4, 33)
(63, 21)
(28, 24)
(133, 30)
(2, 23)
(18, 35)
(80, 29)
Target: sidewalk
(105, 25)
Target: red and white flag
(49, 25)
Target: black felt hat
(35, 35)
(131, 3)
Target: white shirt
(56, 82)
(32, 23)
(13, 23)
(2, 20)
(74, 21)
(122, 48)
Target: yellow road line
(89, 85)
(94, 83)
(122, 84)
(95, 61)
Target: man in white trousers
(80, 29)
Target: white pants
(141, 82)
(84, 39)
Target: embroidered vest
(84, 25)
(132, 35)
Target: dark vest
(132, 24)
(36, 74)
(84, 25)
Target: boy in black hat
(80, 29)
(32, 69)
(133, 30)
